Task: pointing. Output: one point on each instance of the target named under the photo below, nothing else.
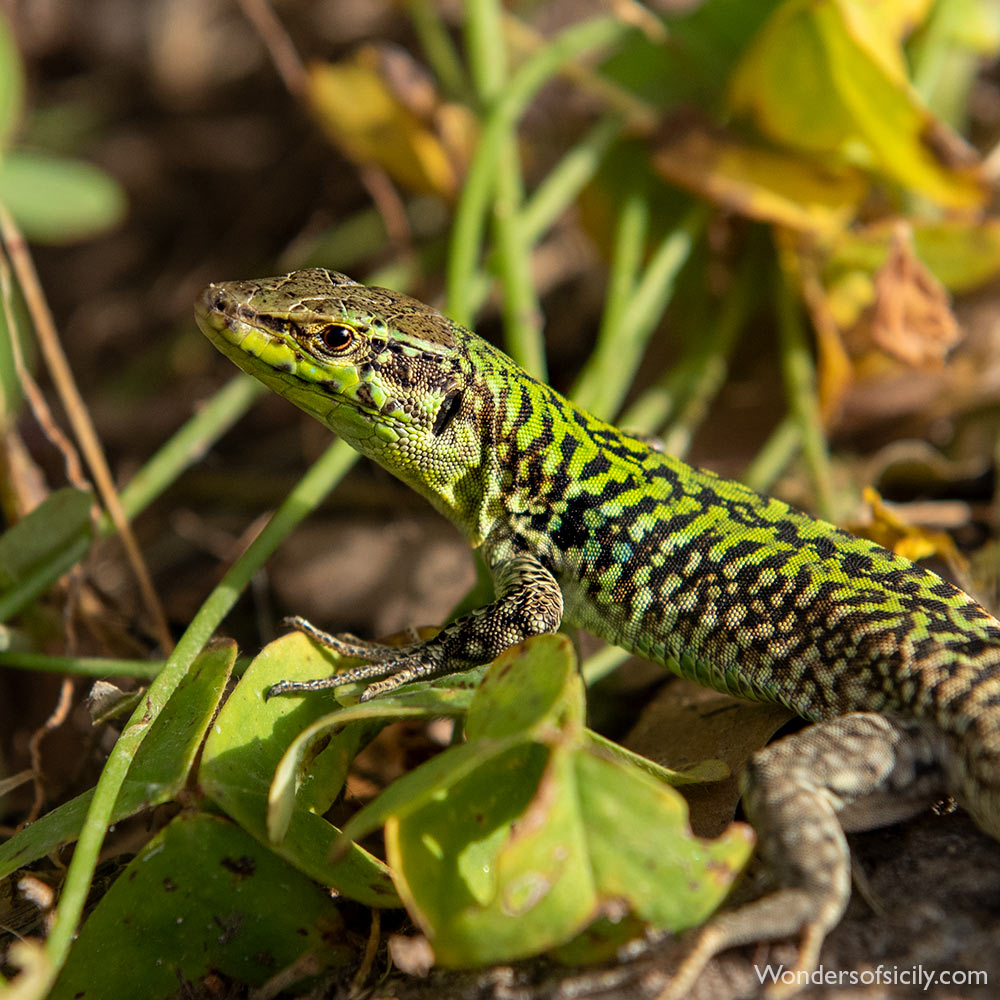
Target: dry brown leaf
(911, 319)
(686, 723)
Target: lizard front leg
(529, 602)
(857, 772)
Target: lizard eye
(336, 338)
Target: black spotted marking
(824, 547)
(856, 564)
(363, 394)
(280, 324)
(568, 447)
(572, 531)
(447, 412)
(787, 533)
(597, 466)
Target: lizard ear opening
(447, 412)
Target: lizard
(897, 670)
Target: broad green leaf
(820, 77)
(202, 899)
(529, 686)
(57, 200)
(498, 850)
(431, 781)
(418, 701)
(249, 739)
(497, 869)
(46, 530)
(11, 83)
(158, 772)
(642, 849)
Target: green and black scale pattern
(728, 587)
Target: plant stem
(311, 489)
(800, 387)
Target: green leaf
(496, 869)
(58, 200)
(11, 83)
(642, 849)
(50, 527)
(202, 899)
(530, 686)
(247, 743)
(158, 772)
(416, 701)
(523, 837)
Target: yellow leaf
(821, 76)
(371, 120)
(765, 184)
(908, 540)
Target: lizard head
(380, 369)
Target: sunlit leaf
(247, 742)
(821, 78)
(765, 184)
(516, 841)
(361, 108)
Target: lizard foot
(389, 666)
(854, 772)
(780, 915)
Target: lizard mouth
(216, 311)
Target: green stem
(626, 259)
(683, 397)
(622, 341)
(487, 53)
(779, 449)
(556, 193)
(605, 661)
(82, 666)
(800, 387)
(465, 252)
(439, 48)
(568, 177)
(311, 489)
(522, 311)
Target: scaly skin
(730, 588)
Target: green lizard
(899, 670)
